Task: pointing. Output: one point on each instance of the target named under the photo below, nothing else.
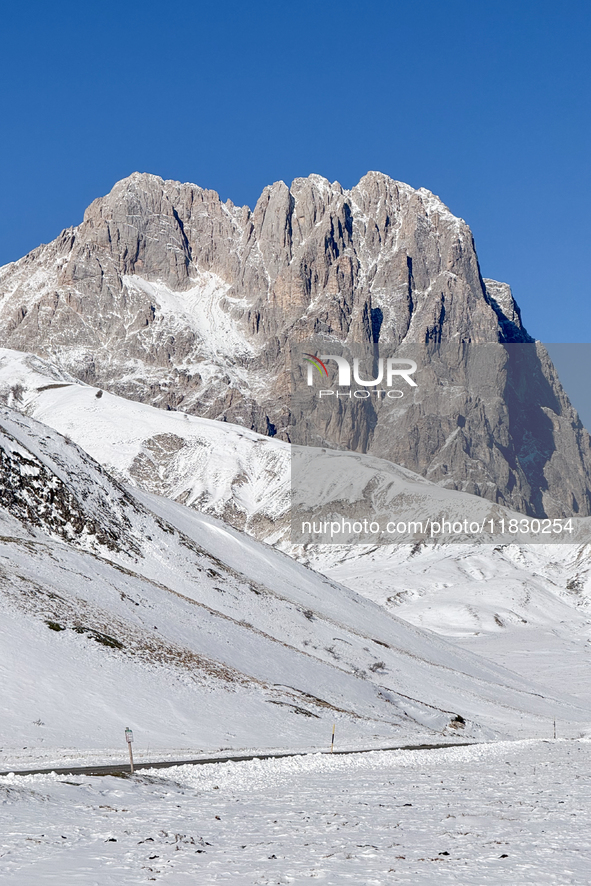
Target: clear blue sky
(484, 103)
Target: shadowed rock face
(167, 295)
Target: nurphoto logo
(389, 372)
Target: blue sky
(486, 104)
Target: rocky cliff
(166, 295)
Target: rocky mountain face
(166, 295)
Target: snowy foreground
(507, 813)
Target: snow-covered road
(504, 813)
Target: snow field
(506, 813)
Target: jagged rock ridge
(167, 295)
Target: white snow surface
(207, 615)
(199, 308)
(507, 813)
(196, 635)
(525, 607)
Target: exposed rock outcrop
(167, 295)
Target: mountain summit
(166, 295)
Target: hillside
(270, 615)
(200, 637)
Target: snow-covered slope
(525, 607)
(233, 473)
(217, 467)
(281, 601)
(224, 469)
(182, 626)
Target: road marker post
(129, 739)
(332, 740)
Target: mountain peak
(166, 295)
